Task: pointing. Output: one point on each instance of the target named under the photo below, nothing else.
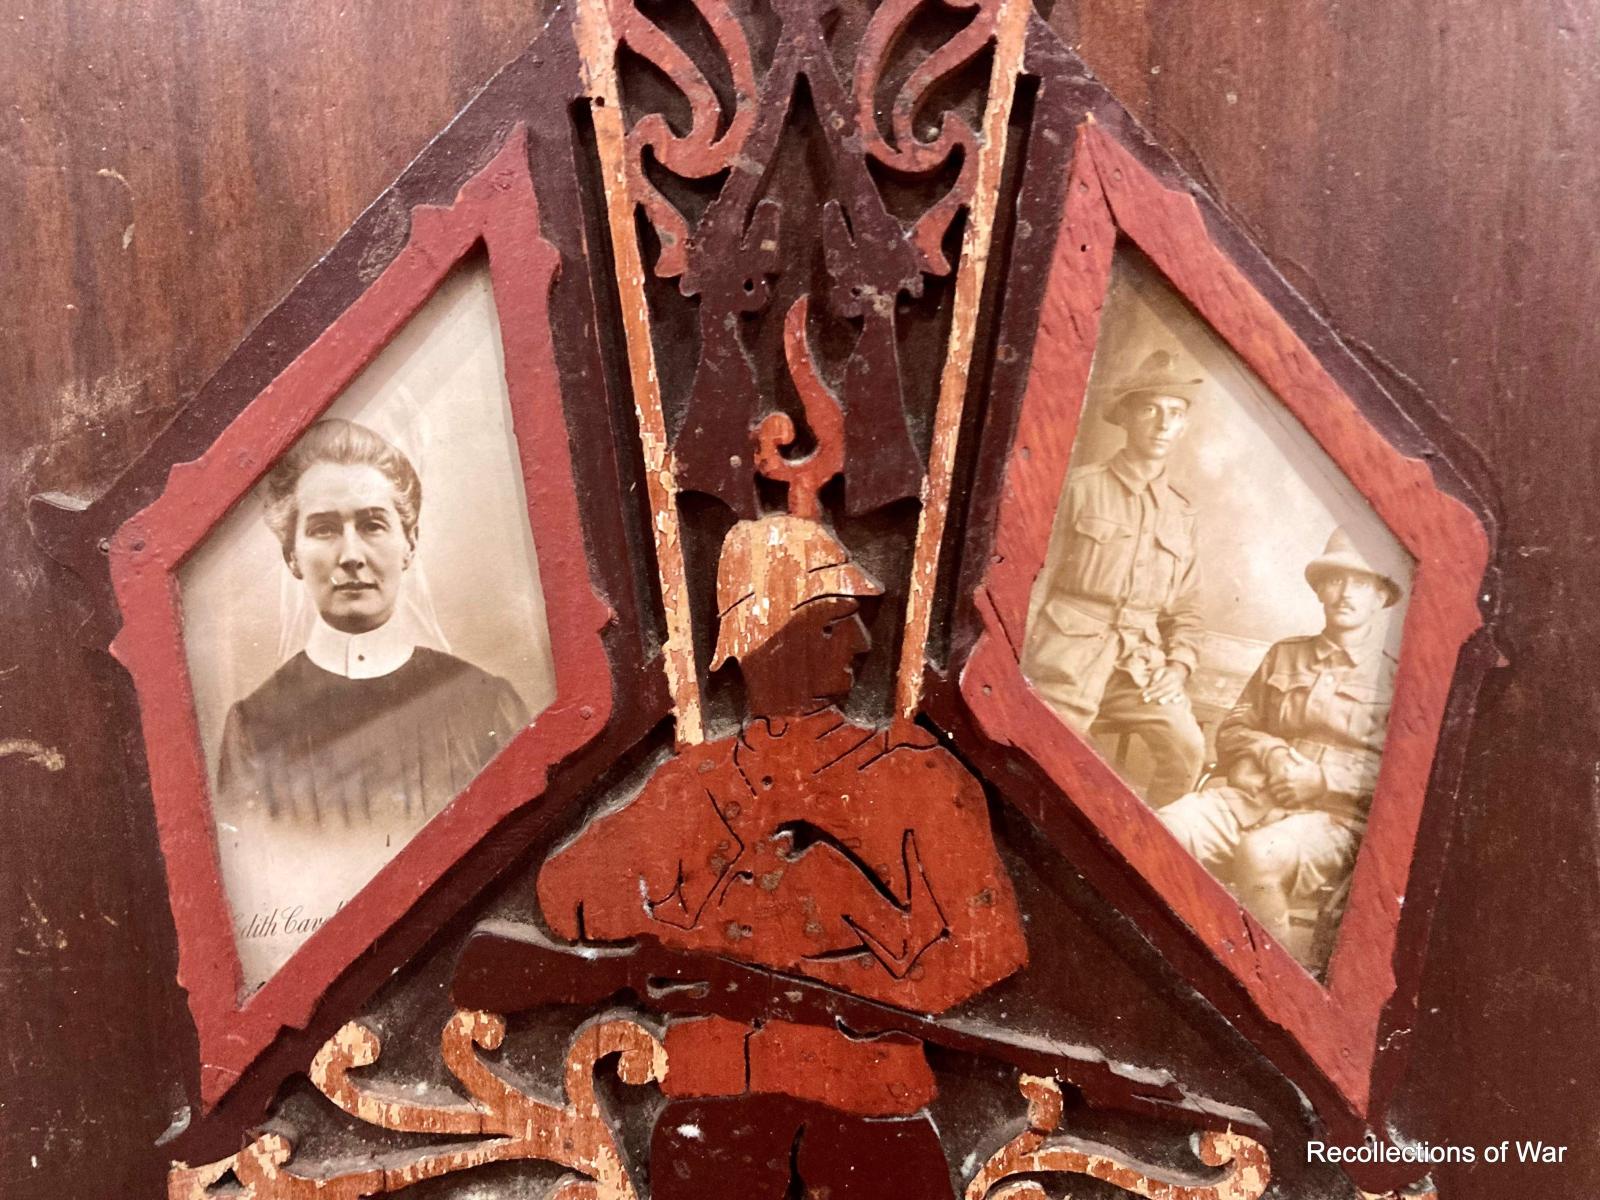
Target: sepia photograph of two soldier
(1219, 614)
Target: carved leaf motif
(510, 1123)
(1035, 1152)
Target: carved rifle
(509, 967)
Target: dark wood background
(1423, 170)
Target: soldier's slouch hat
(1159, 374)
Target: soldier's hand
(1166, 685)
(1300, 784)
(1281, 762)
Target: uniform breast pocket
(1100, 551)
(1364, 708)
(1174, 549)
(1289, 691)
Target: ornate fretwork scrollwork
(764, 173)
(510, 1124)
(701, 152)
(1036, 1152)
(903, 150)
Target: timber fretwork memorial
(823, 625)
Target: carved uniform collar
(369, 655)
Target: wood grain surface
(1423, 171)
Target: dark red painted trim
(1110, 192)
(497, 208)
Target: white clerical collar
(359, 655)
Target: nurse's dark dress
(313, 747)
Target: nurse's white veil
(400, 421)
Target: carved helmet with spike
(769, 568)
(772, 566)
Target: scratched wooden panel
(168, 168)
(1423, 172)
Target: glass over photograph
(366, 631)
(1220, 613)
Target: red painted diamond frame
(497, 209)
(1110, 193)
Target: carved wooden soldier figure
(810, 844)
(860, 857)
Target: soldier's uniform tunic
(1123, 601)
(1329, 705)
(897, 857)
